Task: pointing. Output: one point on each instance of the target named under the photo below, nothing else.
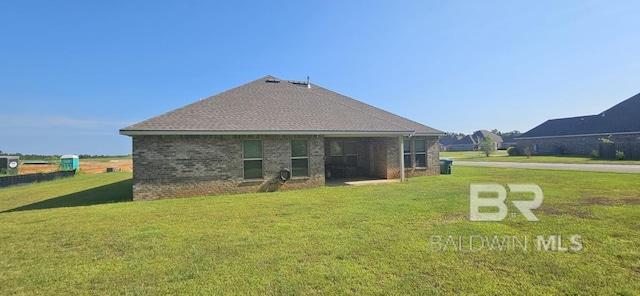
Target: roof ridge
(258, 106)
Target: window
(420, 148)
(336, 153)
(351, 153)
(299, 158)
(344, 153)
(252, 157)
(407, 153)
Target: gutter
(235, 133)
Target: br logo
(499, 194)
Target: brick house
(272, 134)
(580, 135)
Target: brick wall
(577, 145)
(432, 154)
(184, 166)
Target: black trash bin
(445, 166)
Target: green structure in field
(69, 162)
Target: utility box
(69, 162)
(9, 165)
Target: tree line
(55, 156)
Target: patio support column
(401, 139)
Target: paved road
(554, 166)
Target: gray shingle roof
(621, 118)
(486, 134)
(271, 105)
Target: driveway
(555, 166)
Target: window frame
(245, 159)
(343, 156)
(293, 175)
(406, 143)
(416, 153)
(346, 154)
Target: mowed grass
(81, 236)
(501, 156)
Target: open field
(81, 236)
(501, 156)
(89, 166)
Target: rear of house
(272, 134)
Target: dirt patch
(95, 167)
(551, 211)
(599, 201)
(453, 217)
(86, 166)
(37, 168)
(573, 211)
(632, 201)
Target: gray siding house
(580, 135)
(272, 134)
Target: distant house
(580, 135)
(448, 140)
(272, 134)
(469, 142)
(507, 142)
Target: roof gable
(271, 105)
(484, 134)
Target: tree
(513, 133)
(486, 145)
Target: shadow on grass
(111, 193)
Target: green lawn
(81, 236)
(501, 156)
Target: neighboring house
(507, 142)
(448, 140)
(272, 134)
(470, 142)
(465, 143)
(580, 135)
(485, 134)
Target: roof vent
(270, 80)
(307, 83)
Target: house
(485, 134)
(507, 142)
(448, 140)
(469, 142)
(272, 134)
(580, 135)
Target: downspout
(401, 139)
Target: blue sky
(72, 73)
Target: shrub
(527, 151)
(594, 154)
(512, 151)
(486, 145)
(619, 155)
(606, 140)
